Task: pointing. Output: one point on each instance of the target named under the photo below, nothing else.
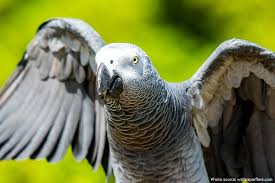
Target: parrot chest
(176, 161)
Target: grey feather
(46, 64)
(255, 135)
(244, 131)
(41, 56)
(268, 131)
(34, 52)
(9, 124)
(68, 66)
(97, 133)
(70, 125)
(85, 130)
(45, 103)
(79, 72)
(55, 68)
(75, 45)
(100, 134)
(84, 55)
(93, 62)
(55, 45)
(270, 101)
(30, 116)
(55, 133)
(148, 121)
(10, 91)
(36, 129)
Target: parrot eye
(135, 60)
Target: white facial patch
(120, 57)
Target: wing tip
(78, 26)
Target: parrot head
(124, 73)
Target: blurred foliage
(178, 36)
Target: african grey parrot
(112, 107)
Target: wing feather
(100, 134)
(70, 125)
(233, 101)
(50, 101)
(85, 130)
(55, 133)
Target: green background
(178, 36)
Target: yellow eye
(135, 60)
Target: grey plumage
(149, 125)
(46, 106)
(71, 89)
(237, 134)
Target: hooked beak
(108, 84)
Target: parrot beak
(108, 84)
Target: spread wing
(233, 98)
(50, 102)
